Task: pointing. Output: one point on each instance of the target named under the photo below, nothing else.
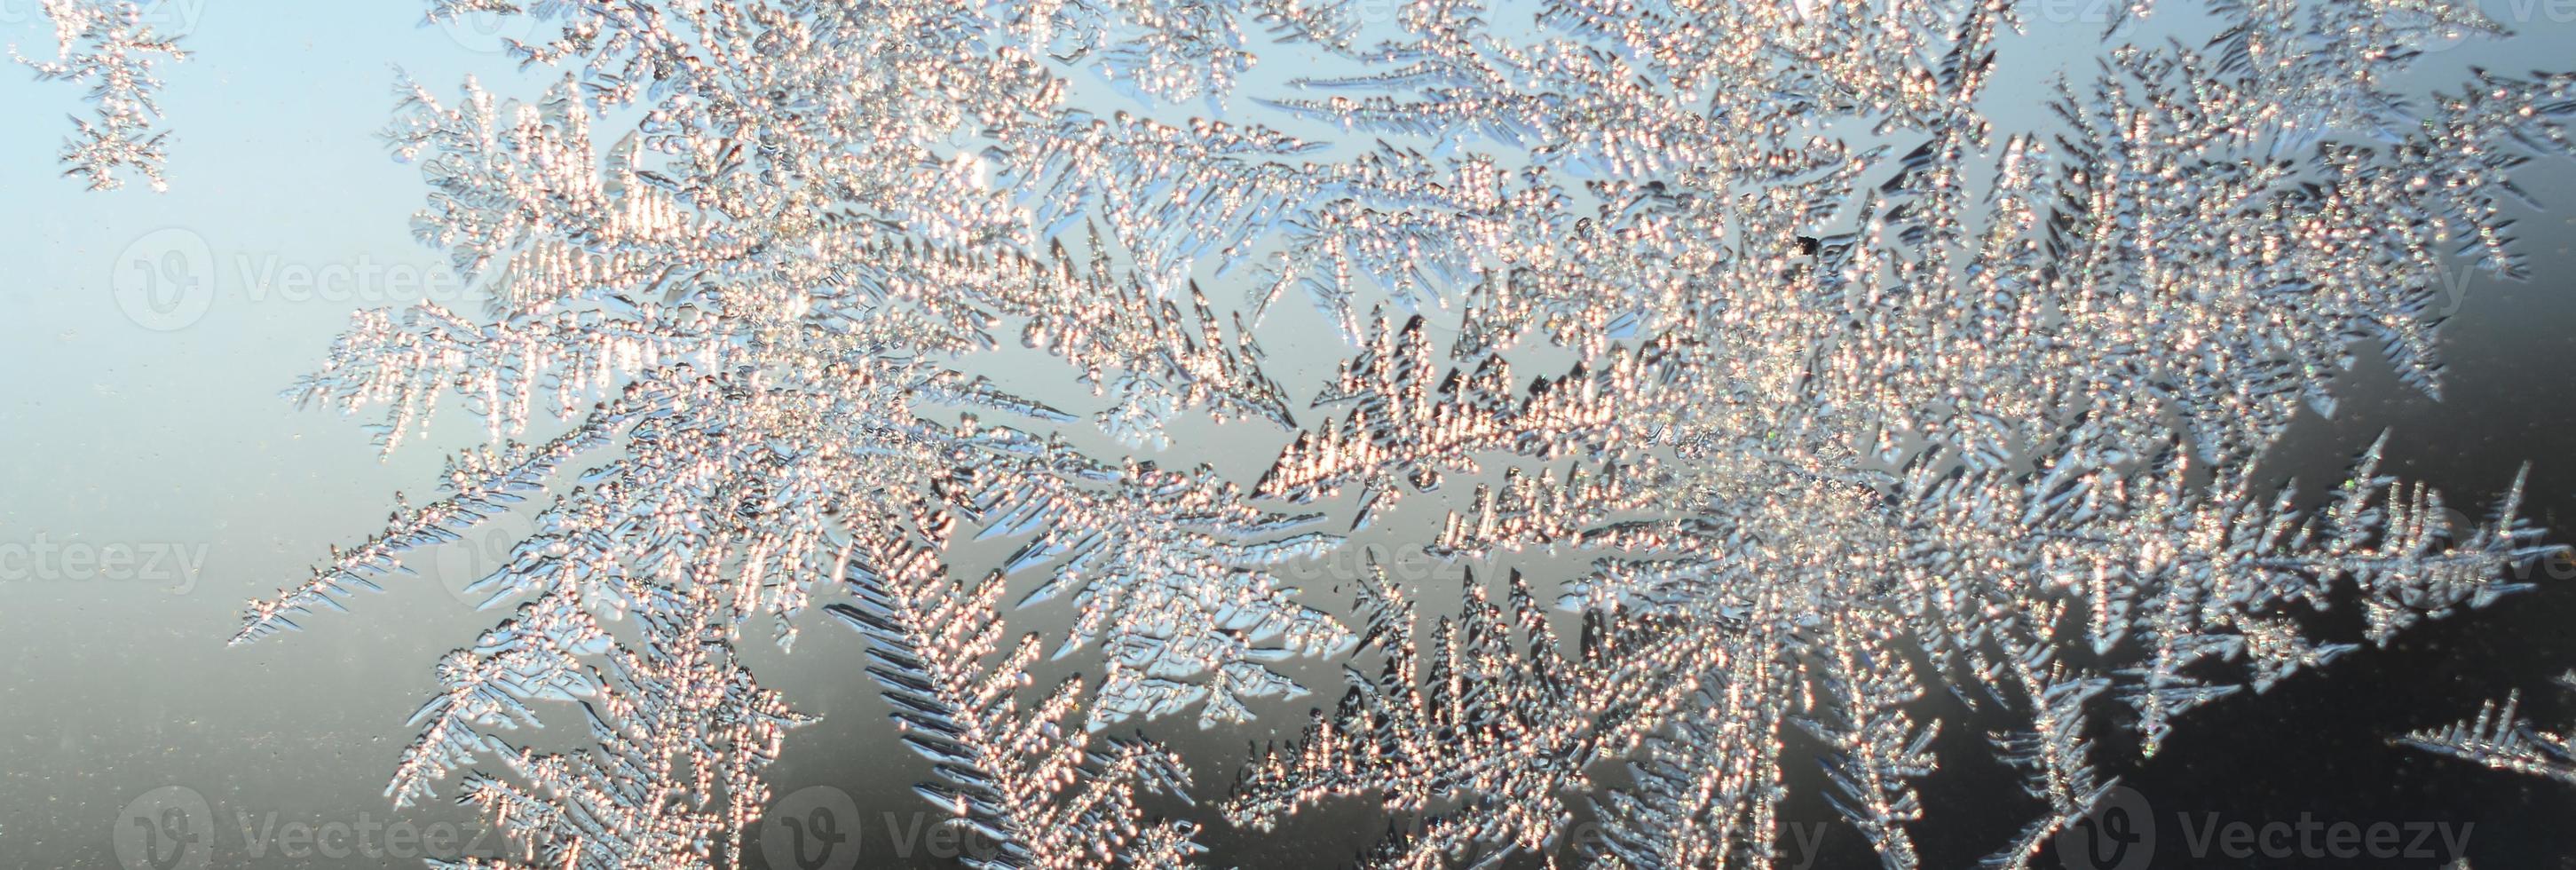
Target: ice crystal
(2502, 738)
(107, 45)
(1497, 724)
(1851, 396)
(1010, 775)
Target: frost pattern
(1013, 777)
(2502, 738)
(1851, 397)
(107, 45)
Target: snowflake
(1850, 396)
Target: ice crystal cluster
(2501, 738)
(107, 45)
(1860, 363)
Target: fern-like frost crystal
(1782, 387)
